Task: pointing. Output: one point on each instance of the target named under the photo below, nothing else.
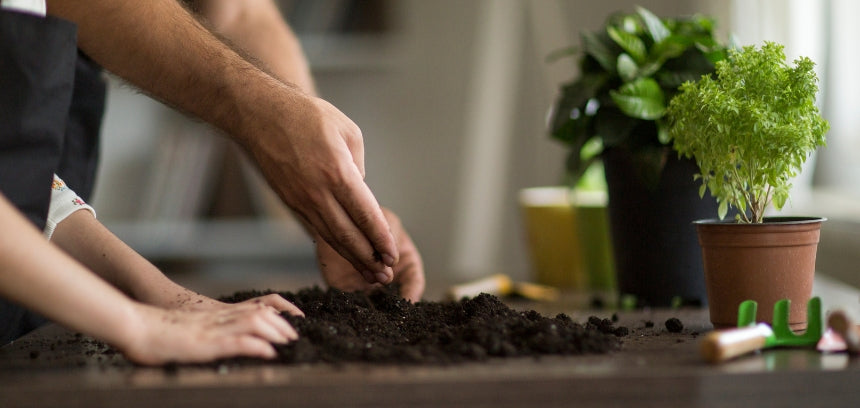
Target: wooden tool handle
(722, 345)
(498, 285)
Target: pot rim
(775, 220)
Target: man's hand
(257, 27)
(310, 152)
(408, 272)
(317, 168)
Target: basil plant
(750, 128)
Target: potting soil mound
(383, 328)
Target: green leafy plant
(750, 128)
(628, 72)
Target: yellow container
(592, 226)
(568, 237)
(550, 225)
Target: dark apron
(51, 105)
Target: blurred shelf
(215, 239)
(331, 53)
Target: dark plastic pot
(657, 256)
(764, 262)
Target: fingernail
(388, 260)
(382, 277)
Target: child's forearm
(39, 276)
(88, 241)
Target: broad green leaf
(705, 42)
(741, 203)
(568, 132)
(670, 47)
(703, 23)
(630, 43)
(779, 198)
(639, 107)
(627, 68)
(641, 99)
(656, 28)
(649, 68)
(613, 126)
(576, 165)
(630, 25)
(697, 25)
(592, 148)
(715, 55)
(597, 49)
(575, 95)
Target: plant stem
(736, 197)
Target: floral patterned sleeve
(64, 202)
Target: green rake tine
(746, 313)
(782, 331)
(779, 325)
(815, 318)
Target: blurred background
(451, 97)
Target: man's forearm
(158, 46)
(309, 151)
(257, 28)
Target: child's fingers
(282, 325)
(278, 302)
(204, 335)
(261, 322)
(286, 328)
(243, 345)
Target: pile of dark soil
(384, 328)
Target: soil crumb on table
(674, 325)
(384, 328)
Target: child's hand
(162, 336)
(273, 300)
(190, 300)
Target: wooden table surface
(53, 367)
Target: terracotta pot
(764, 262)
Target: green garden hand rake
(722, 345)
